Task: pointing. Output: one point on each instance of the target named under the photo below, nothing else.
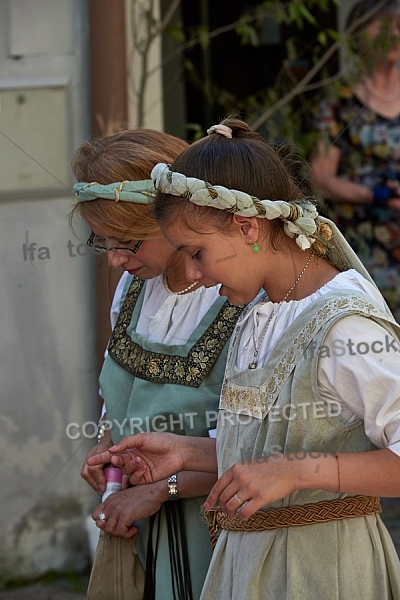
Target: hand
(94, 474)
(145, 457)
(254, 484)
(127, 506)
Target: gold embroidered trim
(291, 516)
(243, 400)
(188, 370)
(258, 400)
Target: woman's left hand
(254, 484)
(251, 485)
(123, 508)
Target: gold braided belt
(308, 514)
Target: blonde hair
(129, 154)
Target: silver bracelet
(101, 430)
(173, 487)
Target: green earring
(256, 248)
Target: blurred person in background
(357, 164)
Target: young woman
(165, 359)
(309, 417)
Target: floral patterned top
(370, 155)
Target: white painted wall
(154, 95)
(48, 370)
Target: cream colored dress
(300, 399)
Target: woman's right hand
(94, 474)
(149, 457)
(144, 457)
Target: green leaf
(204, 36)
(176, 33)
(248, 35)
(293, 9)
(291, 49)
(322, 38)
(307, 15)
(281, 16)
(334, 34)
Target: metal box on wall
(33, 144)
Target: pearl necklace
(254, 362)
(187, 289)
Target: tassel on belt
(308, 514)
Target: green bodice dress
(151, 386)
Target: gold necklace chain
(187, 289)
(253, 364)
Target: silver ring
(102, 517)
(238, 499)
(238, 510)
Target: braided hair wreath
(300, 217)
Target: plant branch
(304, 84)
(212, 34)
(297, 88)
(167, 18)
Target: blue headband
(139, 192)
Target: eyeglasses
(91, 242)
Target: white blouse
(359, 365)
(166, 317)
